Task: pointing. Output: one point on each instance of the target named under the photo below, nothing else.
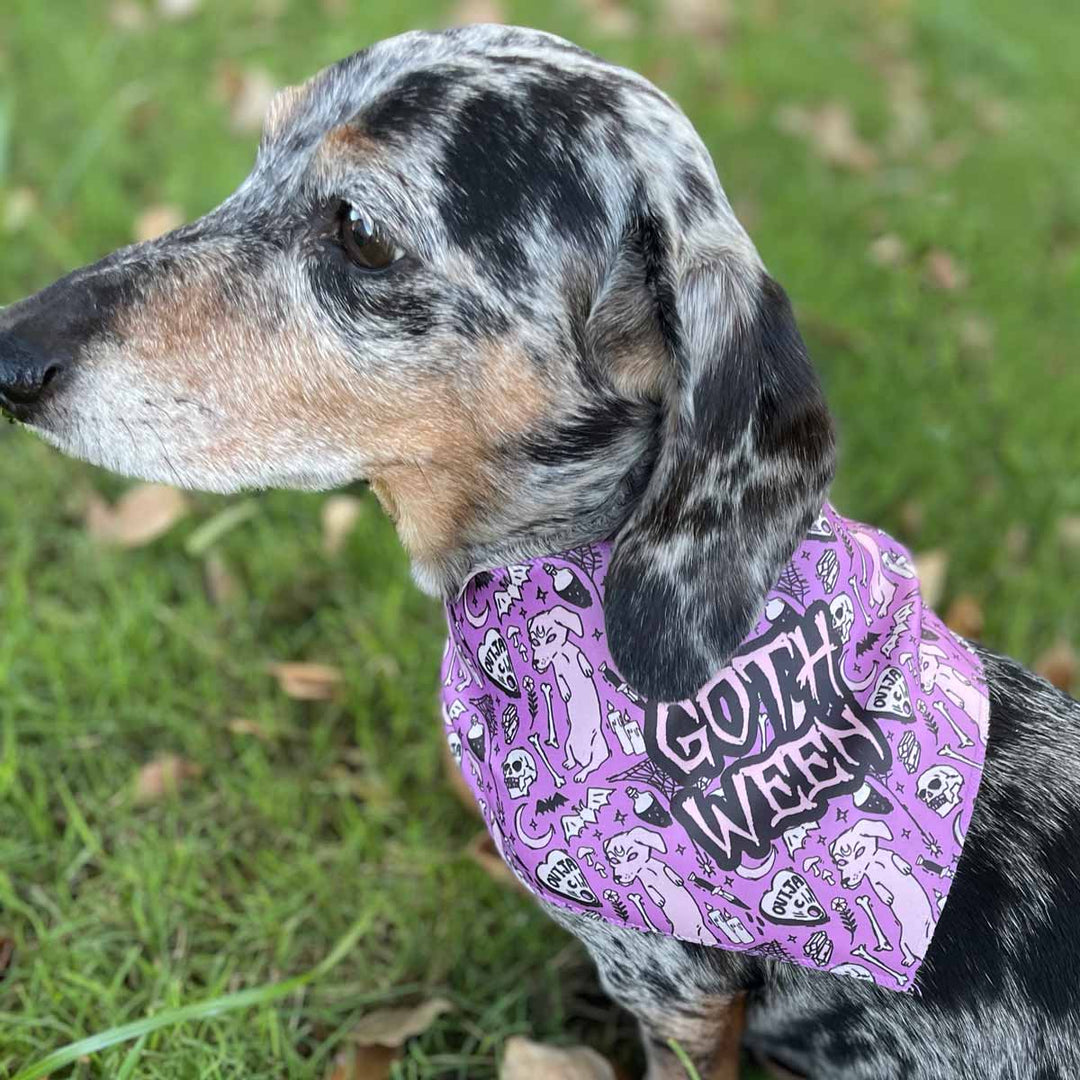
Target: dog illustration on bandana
(549, 632)
(632, 858)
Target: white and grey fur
(580, 342)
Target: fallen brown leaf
(221, 584)
(363, 1063)
(943, 271)
(1058, 665)
(339, 514)
(20, 204)
(931, 568)
(698, 18)
(965, 616)
(393, 1027)
(524, 1059)
(156, 221)
(141, 515)
(888, 250)
(240, 725)
(830, 132)
(477, 11)
(307, 682)
(248, 93)
(175, 10)
(481, 849)
(7, 954)
(1017, 541)
(1069, 531)
(127, 15)
(456, 780)
(162, 777)
(976, 333)
(612, 17)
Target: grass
(960, 430)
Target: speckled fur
(581, 341)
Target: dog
(499, 279)
(549, 633)
(858, 855)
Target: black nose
(26, 374)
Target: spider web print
(586, 557)
(794, 584)
(645, 772)
(772, 950)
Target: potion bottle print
(568, 586)
(648, 808)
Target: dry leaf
(393, 1027)
(163, 776)
(138, 517)
(612, 17)
(698, 18)
(221, 584)
(127, 15)
(1017, 541)
(456, 779)
(307, 682)
(912, 516)
(524, 1059)
(178, 9)
(240, 725)
(976, 333)
(7, 954)
(943, 272)
(888, 250)
(248, 93)
(339, 514)
(830, 131)
(362, 1063)
(1058, 665)
(481, 849)
(477, 11)
(20, 204)
(157, 221)
(965, 616)
(931, 568)
(1069, 532)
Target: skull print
(939, 787)
(519, 772)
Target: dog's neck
(588, 513)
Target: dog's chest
(810, 803)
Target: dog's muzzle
(27, 375)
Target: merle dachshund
(498, 279)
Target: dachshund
(498, 279)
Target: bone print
(900, 976)
(638, 902)
(552, 739)
(961, 736)
(882, 943)
(947, 751)
(558, 780)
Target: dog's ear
(567, 619)
(647, 838)
(745, 458)
(878, 830)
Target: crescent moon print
(534, 842)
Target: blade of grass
(202, 1010)
(679, 1052)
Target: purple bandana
(808, 805)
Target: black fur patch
(513, 171)
(410, 103)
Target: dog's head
(628, 852)
(548, 632)
(853, 849)
(499, 279)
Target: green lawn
(960, 417)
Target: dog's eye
(363, 242)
